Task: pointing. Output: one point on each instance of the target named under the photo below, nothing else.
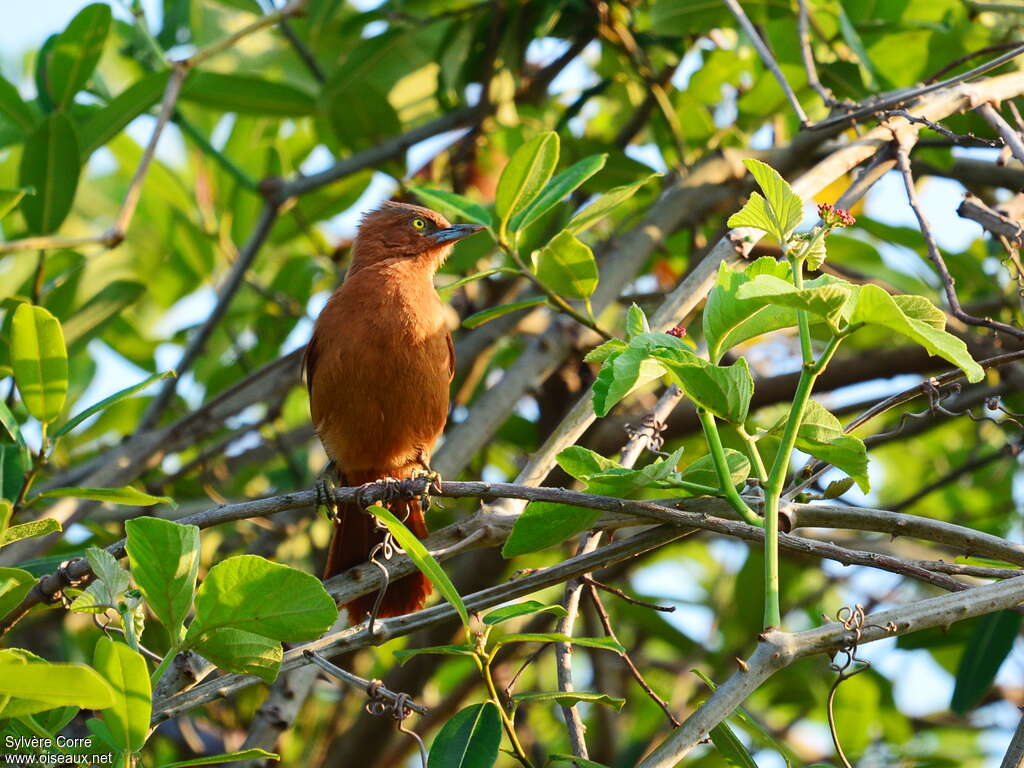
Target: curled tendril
(936, 396)
(651, 430)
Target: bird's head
(403, 231)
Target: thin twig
(807, 53)
(590, 581)
(1004, 129)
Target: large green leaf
(37, 687)
(985, 652)
(49, 164)
(29, 530)
(821, 435)
(544, 524)
(826, 300)
(246, 94)
(126, 672)
(604, 205)
(164, 558)
(729, 320)
(525, 176)
(567, 266)
(779, 212)
(423, 560)
(75, 53)
(246, 653)
(723, 390)
(251, 593)
(469, 740)
(127, 495)
(40, 361)
(106, 123)
(559, 186)
(876, 307)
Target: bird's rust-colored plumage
(378, 368)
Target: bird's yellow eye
(419, 224)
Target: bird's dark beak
(455, 232)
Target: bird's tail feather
(355, 535)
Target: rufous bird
(378, 369)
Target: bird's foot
(433, 485)
(325, 487)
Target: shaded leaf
(75, 53)
(243, 652)
(50, 165)
(479, 318)
(601, 643)
(14, 108)
(543, 524)
(14, 586)
(246, 94)
(461, 649)
(106, 402)
(723, 390)
(985, 652)
(106, 123)
(469, 740)
(730, 747)
(821, 435)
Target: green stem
(685, 485)
(801, 316)
(755, 455)
(484, 663)
(161, 668)
(707, 421)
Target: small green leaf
(50, 165)
(485, 316)
(40, 361)
(423, 560)
(623, 482)
(246, 94)
(524, 608)
(446, 291)
(876, 307)
(826, 301)
(245, 653)
(730, 747)
(14, 586)
(569, 698)
(225, 757)
(164, 558)
(251, 593)
(604, 205)
(462, 649)
(621, 374)
(525, 176)
(544, 524)
(837, 488)
(126, 672)
(603, 351)
(106, 123)
(29, 531)
(106, 402)
(821, 435)
(75, 53)
(561, 185)
(779, 212)
(580, 462)
(128, 496)
(567, 266)
(985, 652)
(450, 202)
(703, 472)
(469, 740)
(37, 687)
(601, 643)
(636, 322)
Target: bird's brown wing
(309, 360)
(451, 358)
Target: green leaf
(567, 266)
(544, 524)
(779, 212)
(601, 643)
(461, 649)
(9, 198)
(729, 321)
(15, 109)
(225, 757)
(10, 426)
(479, 318)
(127, 495)
(126, 672)
(452, 203)
(985, 652)
(251, 593)
(6, 513)
(40, 361)
(605, 350)
(106, 123)
(14, 586)
(446, 291)
(852, 39)
(876, 307)
(821, 435)
(621, 374)
(579, 762)
(106, 402)
(49, 164)
(604, 205)
(524, 177)
(75, 53)
(469, 740)
(108, 571)
(730, 747)
(29, 530)
(37, 687)
(622, 481)
(636, 322)
(423, 560)
(826, 301)
(568, 698)
(164, 559)
(246, 94)
(723, 390)
(703, 472)
(581, 463)
(237, 650)
(558, 188)
(524, 608)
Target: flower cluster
(678, 332)
(835, 217)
